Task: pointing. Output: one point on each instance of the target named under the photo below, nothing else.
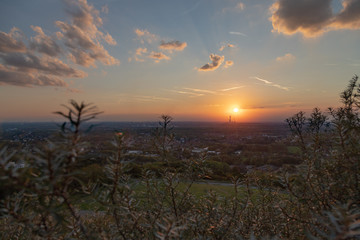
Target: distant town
(242, 147)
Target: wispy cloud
(271, 83)
(138, 56)
(214, 105)
(230, 89)
(200, 90)
(238, 33)
(192, 94)
(240, 6)
(197, 92)
(194, 7)
(105, 9)
(227, 45)
(216, 62)
(280, 105)
(141, 98)
(288, 57)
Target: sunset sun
(235, 110)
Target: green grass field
(197, 189)
(294, 149)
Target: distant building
(213, 152)
(199, 150)
(135, 152)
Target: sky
(195, 60)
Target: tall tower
(229, 118)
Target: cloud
(82, 36)
(230, 89)
(157, 56)
(196, 92)
(173, 45)
(313, 18)
(10, 42)
(141, 33)
(32, 63)
(216, 62)
(149, 43)
(192, 94)
(238, 33)
(74, 90)
(349, 17)
(43, 43)
(140, 51)
(11, 76)
(109, 39)
(148, 39)
(105, 9)
(271, 83)
(37, 61)
(286, 58)
(145, 35)
(200, 90)
(138, 54)
(124, 97)
(194, 7)
(240, 6)
(227, 45)
(28, 69)
(228, 63)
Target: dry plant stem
(75, 215)
(115, 187)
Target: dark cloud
(11, 76)
(43, 43)
(38, 63)
(216, 62)
(349, 17)
(9, 42)
(31, 63)
(312, 18)
(173, 45)
(306, 16)
(157, 56)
